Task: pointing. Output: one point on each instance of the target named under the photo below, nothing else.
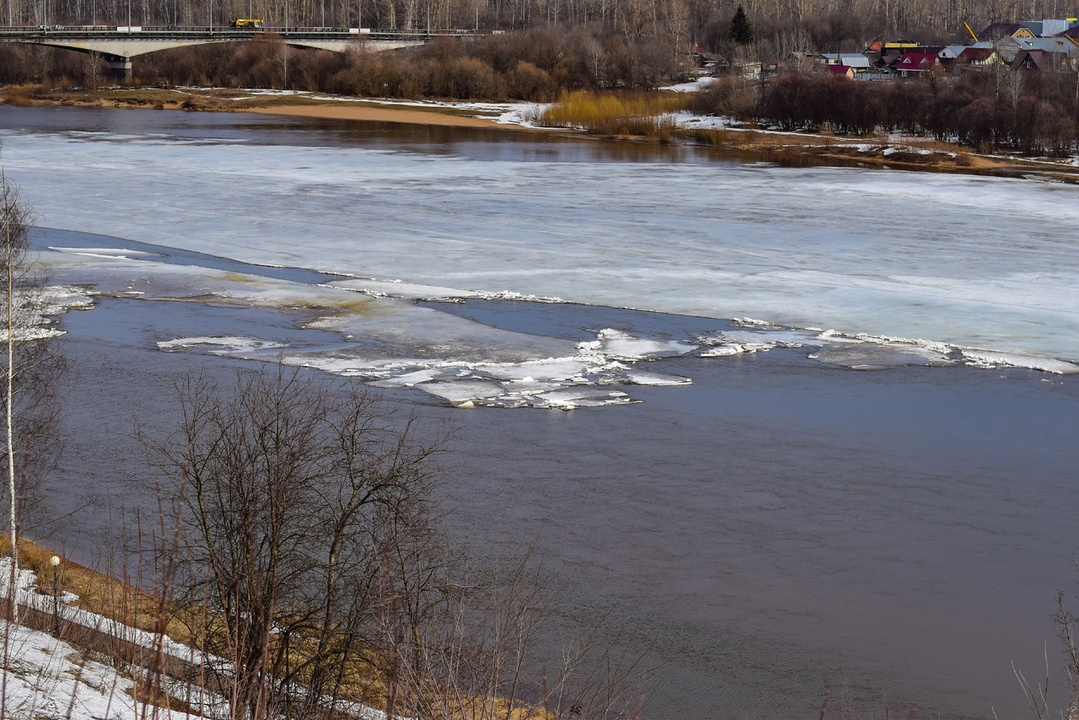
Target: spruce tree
(741, 31)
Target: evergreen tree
(741, 31)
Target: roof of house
(951, 52)
(975, 55)
(1049, 44)
(1038, 59)
(916, 61)
(851, 60)
(999, 30)
(955, 51)
(840, 70)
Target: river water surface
(861, 491)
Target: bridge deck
(119, 44)
(99, 32)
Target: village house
(975, 57)
(916, 63)
(1028, 45)
(857, 62)
(996, 31)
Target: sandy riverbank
(383, 114)
(784, 148)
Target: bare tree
(31, 363)
(494, 648)
(288, 490)
(310, 570)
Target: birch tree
(30, 365)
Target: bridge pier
(119, 67)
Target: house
(842, 71)
(1008, 48)
(1049, 45)
(890, 57)
(1005, 30)
(916, 63)
(1046, 54)
(1042, 60)
(856, 61)
(1053, 26)
(704, 59)
(977, 57)
(951, 52)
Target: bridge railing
(99, 31)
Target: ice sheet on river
(395, 343)
(971, 261)
(389, 342)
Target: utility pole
(55, 562)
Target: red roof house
(915, 63)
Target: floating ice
(989, 359)
(620, 345)
(399, 289)
(388, 342)
(857, 352)
(945, 257)
(103, 252)
(221, 345)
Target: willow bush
(642, 114)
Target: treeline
(779, 26)
(1031, 112)
(533, 65)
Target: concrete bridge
(117, 45)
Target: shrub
(610, 114)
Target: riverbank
(751, 144)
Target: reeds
(638, 114)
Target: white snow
(691, 86)
(968, 262)
(989, 359)
(49, 678)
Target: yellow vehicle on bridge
(246, 23)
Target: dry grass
(636, 114)
(124, 602)
(98, 593)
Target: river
(860, 488)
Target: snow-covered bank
(49, 678)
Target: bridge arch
(118, 45)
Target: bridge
(117, 45)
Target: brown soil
(385, 114)
(879, 152)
